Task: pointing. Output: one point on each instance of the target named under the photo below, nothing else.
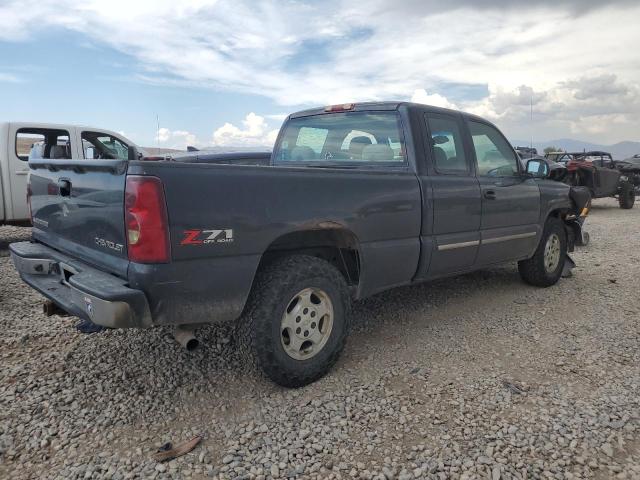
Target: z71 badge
(205, 237)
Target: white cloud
(255, 132)
(301, 53)
(178, 139)
(277, 116)
(588, 87)
(163, 135)
(435, 99)
(8, 77)
(565, 109)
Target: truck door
(510, 201)
(451, 203)
(39, 142)
(95, 144)
(606, 176)
(19, 145)
(4, 169)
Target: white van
(21, 140)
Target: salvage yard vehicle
(631, 169)
(558, 157)
(20, 140)
(355, 199)
(527, 152)
(599, 173)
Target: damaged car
(603, 176)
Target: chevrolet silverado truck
(354, 199)
(21, 140)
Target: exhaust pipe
(49, 308)
(185, 337)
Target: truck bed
(236, 158)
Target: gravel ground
(479, 376)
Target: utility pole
(531, 119)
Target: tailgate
(78, 208)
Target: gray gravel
(479, 376)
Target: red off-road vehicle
(602, 176)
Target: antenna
(531, 120)
(158, 130)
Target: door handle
(22, 172)
(64, 186)
(490, 194)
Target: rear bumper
(79, 289)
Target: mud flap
(577, 235)
(585, 239)
(569, 265)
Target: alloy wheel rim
(552, 253)
(306, 324)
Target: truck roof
(594, 153)
(386, 105)
(51, 125)
(64, 126)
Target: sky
(226, 73)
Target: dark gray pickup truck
(355, 199)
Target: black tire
(626, 196)
(275, 287)
(533, 270)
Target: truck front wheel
(298, 319)
(545, 267)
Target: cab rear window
(353, 138)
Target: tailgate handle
(65, 187)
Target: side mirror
(132, 153)
(538, 168)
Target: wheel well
(560, 213)
(572, 229)
(337, 246)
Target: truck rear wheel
(545, 267)
(627, 196)
(298, 319)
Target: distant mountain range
(619, 151)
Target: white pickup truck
(21, 140)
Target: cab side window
(447, 150)
(39, 143)
(494, 155)
(97, 145)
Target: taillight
(344, 107)
(146, 220)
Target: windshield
(343, 138)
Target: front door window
(494, 155)
(96, 145)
